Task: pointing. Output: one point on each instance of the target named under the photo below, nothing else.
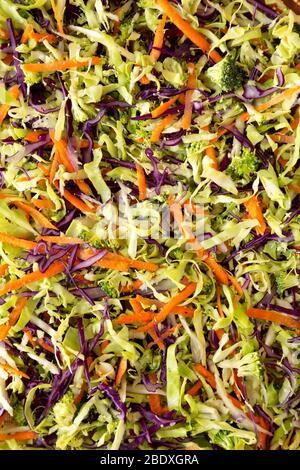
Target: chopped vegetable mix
(149, 225)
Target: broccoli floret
(223, 439)
(110, 290)
(84, 235)
(243, 166)
(64, 410)
(227, 74)
(96, 242)
(19, 414)
(177, 253)
(250, 365)
(207, 286)
(284, 281)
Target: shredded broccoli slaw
(179, 334)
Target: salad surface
(149, 225)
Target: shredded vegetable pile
(120, 333)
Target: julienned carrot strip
(14, 91)
(155, 136)
(133, 263)
(60, 65)
(154, 399)
(33, 136)
(131, 287)
(84, 187)
(13, 318)
(283, 139)
(212, 155)
(75, 201)
(63, 240)
(254, 210)
(62, 155)
(158, 39)
(57, 16)
(136, 306)
(194, 390)
(113, 259)
(140, 317)
(170, 306)
(30, 338)
(13, 370)
(188, 104)
(46, 346)
(277, 99)
(276, 317)
(30, 34)
(219, 273)
(10, 286)
(80, 394)
(19, 436)
(156, 339)
(194, 35)
(121, 371)
(43, 203)
(3, 269)
(4, 108)
(141, 182)
(62, 152)
(209, 377)
(217, 270)
(42, 220)
(219, 134)
(184, 311)
(194, 208)
(162, 108)
(19, 242)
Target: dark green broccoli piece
(243, 166)
(227, 74)
(223, 439)
(110, 290)
(207, 286)
(85, 235)
(19, 413)
(177, 253)
(284, 281)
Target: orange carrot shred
(43, 221)
(254, 210)
(18, 242)
(141, 182)
(12, 370)
(19, 436)
(156, 134)
(163, 107)
(276, 317)
(158, 39)
(60, 65)
(195, 36)
(170, 306)
(3, 269)
(121, 371)
(10, 286)
(188, 104)
(57, 16)
(14, 316)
